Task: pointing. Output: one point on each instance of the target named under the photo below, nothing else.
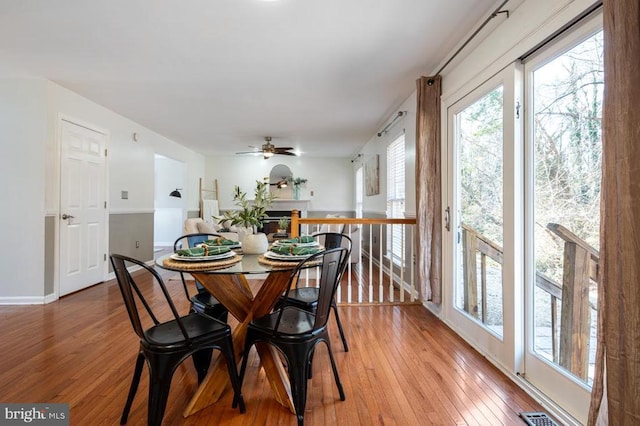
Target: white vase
(255, 243)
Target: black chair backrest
(331, 240)
(194, 239)
(128, 287)
(330, 268)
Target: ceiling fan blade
(283, 148)
(249, 152)
(285, 153)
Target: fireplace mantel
(283, 204)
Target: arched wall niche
(279, 173)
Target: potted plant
(250, 215)
(297, 182)
(283, 224)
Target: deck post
(469, 248)
(576, 313)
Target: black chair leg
(335, 371)
(202, 361)
(245, 357)
(133, 388)
(298, 379)
(160, 373)
(344, 339)
(227, 352)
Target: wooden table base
(234, 293)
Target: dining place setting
(291, 250)
(216, 251)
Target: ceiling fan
(268, 150)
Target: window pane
(479, 140)
(395, 197)
(567, 99)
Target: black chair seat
(304, 295)
(205, 303)
(294, 322)
(198, 327)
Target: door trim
(58, 164)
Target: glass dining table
(227, 282)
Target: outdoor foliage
(567, 116)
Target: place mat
(201, 266)
(288, 263)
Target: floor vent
(537, 419)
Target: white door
(482, 239)
(82, 207)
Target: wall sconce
(176, 193)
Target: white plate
(229, 246)
(311, 244)
(278, 256)
(226, 255)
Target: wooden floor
(405, 367)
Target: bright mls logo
(39, 414)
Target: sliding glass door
(481, 147)
(565, 83)
(522, 203)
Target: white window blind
(359, 191)
(395, 196)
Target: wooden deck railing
(376, 274)
(580, 268)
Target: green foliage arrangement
(298, 181)
(251, 213)
(283, 223)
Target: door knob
(66, 216)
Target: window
(395, 197)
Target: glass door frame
(555, 383)
(505, 352)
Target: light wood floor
(405, 367)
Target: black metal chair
(307, 297)
(202, 301)
(296, 332)
(166, 344)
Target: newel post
(295, 215)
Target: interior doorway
(83, 208)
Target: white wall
(22, 170)
(30, 111)
(131, 163)
(528, 25)
(330, 179)
(378, 145)
(170, 212)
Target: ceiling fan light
(268, 154)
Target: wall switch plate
(124, 195)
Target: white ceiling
(322, 76)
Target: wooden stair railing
(379, 276)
